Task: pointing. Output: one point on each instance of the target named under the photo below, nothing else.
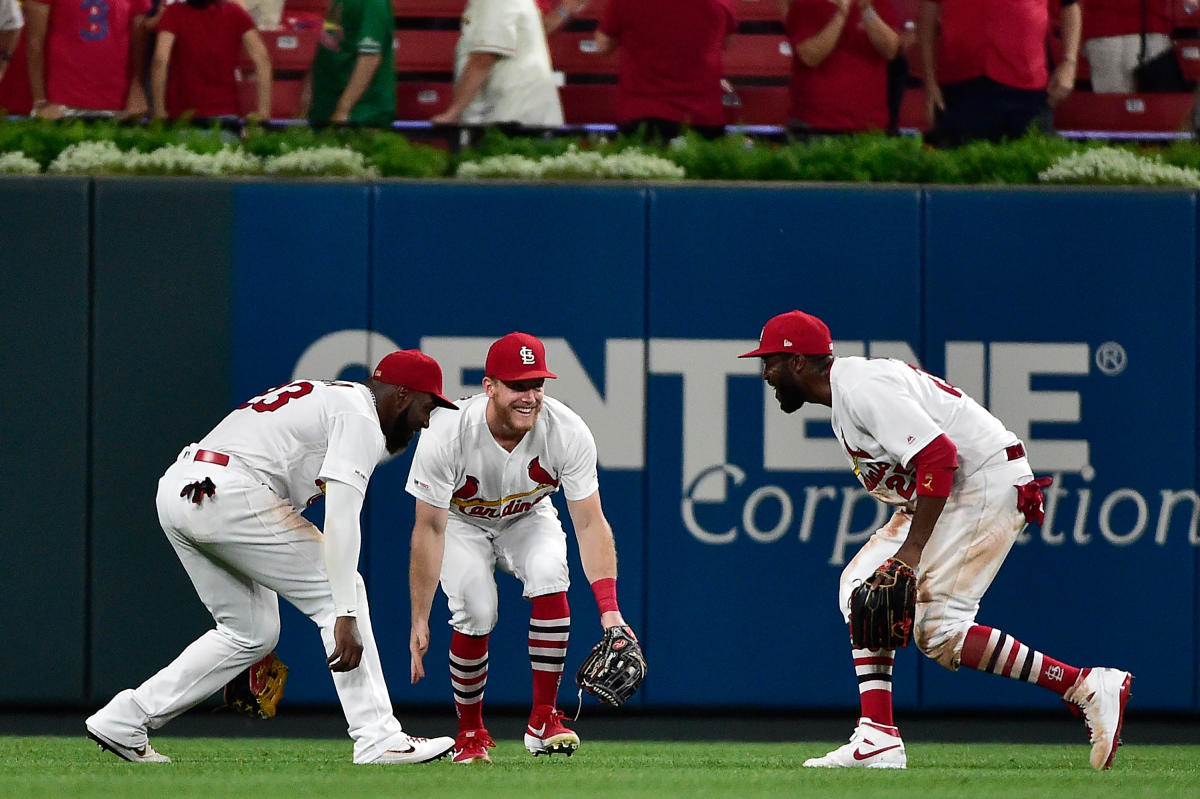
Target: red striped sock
(988, 649)
(468, 677)
(549, 629)
(874, 670)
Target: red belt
(208, 456)
(1013, 452)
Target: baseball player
(483, 479)
(963, 491)
(230, 506)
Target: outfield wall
(154, 306)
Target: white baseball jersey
(520, 86)
(886, 411)
(296, 436)
(458, 464)
(10, 16)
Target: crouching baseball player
(483, 479)
(963, 492)
(230, 506)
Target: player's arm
(474, 76)
(343, 540)
(37, 22)
(424, 571)
(135, 102)
(364, 70)
(928, 14)
(1062, 82)
(934, 467)
(257, 50)
(598, 552)
(163, 45)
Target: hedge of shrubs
(108, 148)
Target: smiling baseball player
(230, 506)
(483, 479)
(963, 491)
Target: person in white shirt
(963, 491)
(11, 23)
(502, 71)
(482, 479)
(230, 506)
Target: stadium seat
(425, 50)
(419, 100)
(1141, 113)
(428, 8)
(1188, 52)
(310, 6)
(912, 111)
(589, 103)
(1183, 14)
(290, 50)
(575, 53)
(759, 105)
(758, 55)
(285, 97)
(757, 11)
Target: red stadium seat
(428, 8)
(1183, 14)
(425, 51)
(285, 97)
(575, 53)
(1141, 113)
(1188, 52)
(758, 55)
(290, 50)
(311, 6)
(912, 111)
(757, 11)
(589, 103)
(418, 101)
(759, 105)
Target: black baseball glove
(615, 668)
(882, 609)
(257, 690)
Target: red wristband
(605, 590)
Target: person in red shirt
(985, 68)
(1112, 39)
(85, 56)
(670, 68)
(840, 69)
(196, 59)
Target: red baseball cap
(794, 331)
(517, 356)
(415, 371)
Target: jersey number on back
(939, 382)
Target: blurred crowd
(983, 68)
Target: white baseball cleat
(1101, 694)
(142, 754)
(416, 750)
(546, 735)
(872, 745)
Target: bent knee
(941, 642)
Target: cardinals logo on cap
(527, 356)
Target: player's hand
(347, 645)
(447, 117)
(418, 645)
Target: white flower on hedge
(176, 159)
(332, 161)
(631, 164)
(1113, 166)
(17, 163)
(86, 158)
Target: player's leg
(278, 548)
(876, 742)
(535, 552)
(247, 626)
(469, 582)
(960, 569)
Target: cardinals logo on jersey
(539, 475)
(468, 489)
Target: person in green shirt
(353, 76)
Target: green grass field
(276, 768)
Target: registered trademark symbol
(1111, 358)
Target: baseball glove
(882, 609)
(615, 668)
(257, 690)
